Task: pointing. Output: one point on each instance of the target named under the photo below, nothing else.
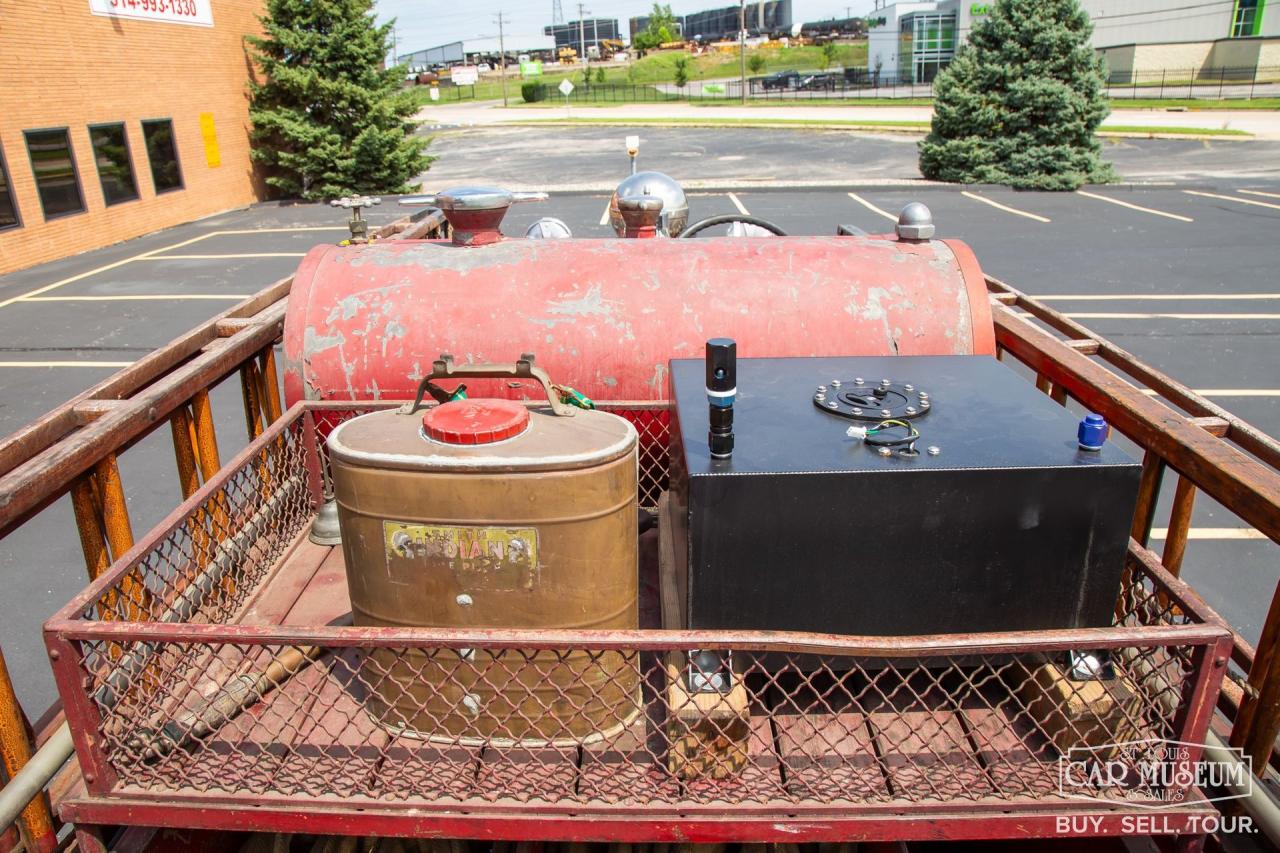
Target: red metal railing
(204, 690)
(74, 449)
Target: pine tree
(1020, 104)
(328, 119)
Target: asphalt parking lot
(1181, 275)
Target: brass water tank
(489, 514)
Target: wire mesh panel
(176, 691)
(612, 725)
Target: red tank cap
(477, 421)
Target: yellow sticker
(480, 558)
(212, 155)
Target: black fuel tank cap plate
(860, 400)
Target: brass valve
(358, 225)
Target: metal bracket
(445, 368)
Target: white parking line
(65, 363)
(742, 208)
(604, 217)
(223, 257)
(1225, 392)
(138, 297)
(869, 206)
(1133, 315)
(1152, 297)
(1261, 193)
(1004, 207)
(1135, 206)
(1233, 198)
(1212, 533)
(147, 255)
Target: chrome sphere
(548, 228)
(675, 207)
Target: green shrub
(682, 71)
(533, 92)
(1021, 103)
(328, 119)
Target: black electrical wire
(877, 438)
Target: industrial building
(487, 49)
(911, 41)
(107, 128)
(583, 35)
(773, 16)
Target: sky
(426, 23)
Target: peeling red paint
(605, 316)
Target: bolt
(858, 380)
(857, 411)
(831, 405)
(464, 600)
(822, 387)
(90, 778)
(53, 654)
(909, 387)
(911, 410)
(934, 450)
(886, 412)
(885, 382)
(835, 383)
(884, 451)
(924, 404)
(924, 395)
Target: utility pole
(502, 57)
(742, 44)
(582, 33)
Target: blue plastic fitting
(1093, 432)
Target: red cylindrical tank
(605, 316)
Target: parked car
(814, 82)
(780, 80)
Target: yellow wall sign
(211, 154)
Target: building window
(8, 207)
(115, 167)
(54, 167)
(926, 45)
(163, 154)
(1247, 18)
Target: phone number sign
(194, 12)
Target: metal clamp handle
(351, 201)
(445, 368)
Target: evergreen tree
(328, 119)
(1020, 103)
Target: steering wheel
(727, 219)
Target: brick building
(119, 117)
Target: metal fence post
(1222, 78)
(1162, 74)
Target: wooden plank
(338, 746)
(245, 754)
(525, 773)
(325, 598)
(924, 747)
(1018, 759)
(280, 591)
(761, 778)
(628, 767)
(830, 757)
